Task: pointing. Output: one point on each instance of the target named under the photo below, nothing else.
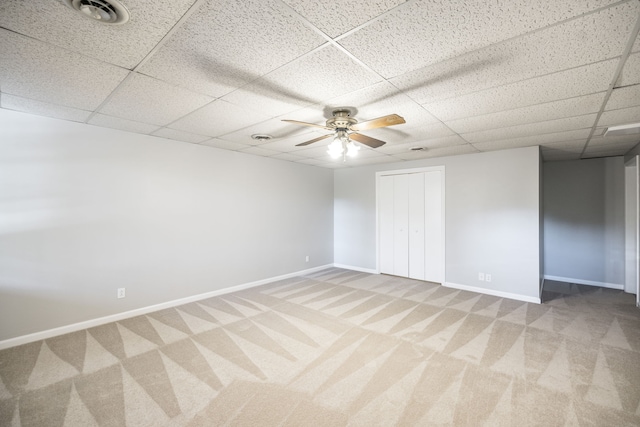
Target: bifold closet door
(410, 225)
(393, 217)
(416, 196)
(433, 226)
(385, 223)
(401, 225)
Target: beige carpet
(341, 348)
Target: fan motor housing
(341, 119)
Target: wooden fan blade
(320, 138)
(295, 122)
(380, 122)
(366, 140)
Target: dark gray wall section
(584, 220)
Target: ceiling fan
(346, 130)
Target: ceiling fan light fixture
(342, 146)
(336, 148)
(352, 148)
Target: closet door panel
(385, 219)
(401, 225)
(417, 226)
(433, 227)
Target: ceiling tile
(31, 106)
(145, 99)
(228, 43)
(559, 155)
(528, 141)
(630, 72)
(362, 161)
(565, 84)
(423, 33)
(225, 145)
(532, 129)
(313, 162)
(447, 141)
(437, 152)
(266, 96)
(179, 135)
(595, 37)
(366, 153)
(380, 100)
(327, 16)
(288, 157)
(289, 143)
(624, 97)
(315, 151)
(122, 124)
(612, 149)
(321, 75)
(536, 113)
(37, 70)
(334, 165)
(611, 140)
(259, 151)
(620, 117)
(217, 118)
(278, 130)
(568, 146)
(124, 45)
(403, 133)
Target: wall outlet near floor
(120, 292)
(481, 277)
(306, 259)
(487, 277)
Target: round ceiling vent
(260, 137)
(106, 11)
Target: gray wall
(85, 210)
(584, 221)
(492, 218)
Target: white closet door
(433, 227)
(401, 225)
(385, 220)
(417, 226)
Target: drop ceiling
(467, 76)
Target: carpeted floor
(341, 348)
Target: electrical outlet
(307, 258)
(487, 277)
(481, 277)
(120, 292)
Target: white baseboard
(351, 267)
(509, 295)
(584, 282)
(36, 336)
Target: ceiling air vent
(630, 129)
(260, 137)
(105, 11)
